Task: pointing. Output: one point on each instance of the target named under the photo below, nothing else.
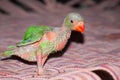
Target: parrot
(40, 41)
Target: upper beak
(79, 27)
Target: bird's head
(74, 21)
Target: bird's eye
(71, 21)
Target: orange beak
(79, 27)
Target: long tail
(9, 52)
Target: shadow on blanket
(104, 75)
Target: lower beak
(79, 27)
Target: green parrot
(39, 41)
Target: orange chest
(61, 45)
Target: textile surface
(94, 55)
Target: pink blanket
(95, 59)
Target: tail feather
(9, 52)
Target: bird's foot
(42, 73)
(37, 76)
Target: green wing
(33, 34)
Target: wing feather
(33, 34)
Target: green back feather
(33, 34)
